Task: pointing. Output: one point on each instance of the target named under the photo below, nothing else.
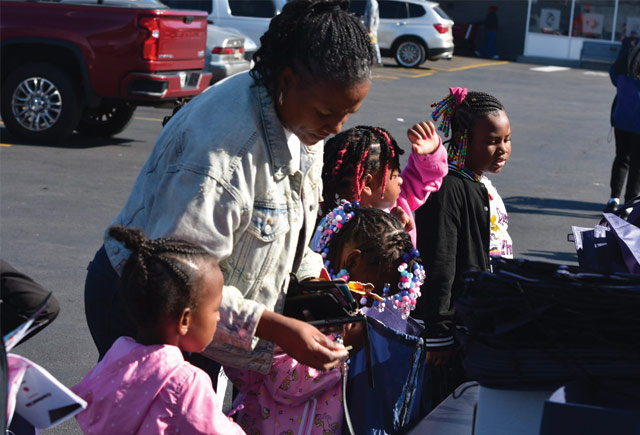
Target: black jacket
(453, 237)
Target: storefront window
(628, 19)
(550, 16)
(593, 19)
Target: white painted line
(596, 73)
(550, 68)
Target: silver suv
(412, 31)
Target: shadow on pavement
(75, 141)
(569, 258)
(553, 207)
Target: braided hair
(318, 39)
(350, 156)
(159, 280)
(378, 235)
(461, 118)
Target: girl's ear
(368, 185)
(352, 262)
(185, 321)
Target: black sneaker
(624, 214)
(611, 206)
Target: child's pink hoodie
(422, 176)
(139, 389)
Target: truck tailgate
(182, 36)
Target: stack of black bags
(532, 323)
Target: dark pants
(107, 316)
(626, 165)
(103, 306)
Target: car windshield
(197, 5)
(442, 13)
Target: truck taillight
(150, 46)
(441, 28)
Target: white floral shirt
(499, 241)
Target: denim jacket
(221, 175)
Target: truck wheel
(409, 53)
(40, 103)
(105, 121)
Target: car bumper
(220, 70)
(165, 85)
(440, 53)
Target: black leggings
(626, 165)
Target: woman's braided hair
(319, 39)
(352, 154)
(160, 278)
(378, 235)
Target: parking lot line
(148, 119)
(5, 144)
(414, 73)
(476, 65)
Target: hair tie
(445, 108)
(331, 224)
(459, 94)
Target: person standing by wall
(371, 22)
(490, 34)
(625, 118)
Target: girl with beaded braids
(363, 244)
(464, 222)
(173, 291)
(362, 164)
(237, 170)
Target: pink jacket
(291, 399)
(139, 389)
(422, 176)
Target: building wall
(512, 17)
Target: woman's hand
(301, 341)
(424, 138)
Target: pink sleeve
(421, 176)
(199, 409)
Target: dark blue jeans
(103, 306)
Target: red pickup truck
(85, 65)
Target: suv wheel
(106, 120)
(40, 103)
(409, 53)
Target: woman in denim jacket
(238, 171)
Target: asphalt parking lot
(56, 201)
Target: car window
(252, 8)
(392, 9)
(416, 11)
(442, 13)
(198, 5)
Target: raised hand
(424, 138)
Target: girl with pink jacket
(173, 291)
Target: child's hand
(423, 137)
(403, 217)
